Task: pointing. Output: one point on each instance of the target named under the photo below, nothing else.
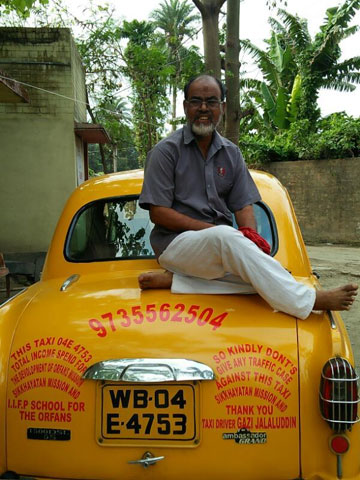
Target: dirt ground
(335, 264)
(339, 265)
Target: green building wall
(38, 168)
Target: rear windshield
(119, 229)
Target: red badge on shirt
(221, 171)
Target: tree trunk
(232, 67)
(114, 155)
(174, 100)
(210, 10)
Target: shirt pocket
(222, 183)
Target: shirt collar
(217, 141)
(188, 134)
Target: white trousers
(221, 260)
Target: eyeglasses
(197, 103)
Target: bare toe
(340, 298)
(152, 280)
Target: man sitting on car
(193, 180)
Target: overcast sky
(254, 25)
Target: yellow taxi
(102, 381)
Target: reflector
(339, 444)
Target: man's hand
(245, 217)
(175, 221)
(259, 241)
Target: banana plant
(295, 67)
(276, 64)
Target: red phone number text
(151, 313)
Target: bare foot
(155, 280)
(340, 298)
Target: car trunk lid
(162, 405)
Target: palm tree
(177, 21)
(295, 67)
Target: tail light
(339, 394)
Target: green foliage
(274, 101)
(338, 137)
(147, 70)
(177, 23)
(335, 136)
(281, 118)
(295, 67)
(319, 59)
(20, 7)
(176, 19)
(133, 52)
(191, 61)
(120, 154)
(98, 42)
(100, 47)
(143, 60)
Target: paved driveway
(339, 265)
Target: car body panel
(316, 342)
(234, 359)
(258, 419)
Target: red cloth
(252, 235)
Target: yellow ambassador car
(103, 381)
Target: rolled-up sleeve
(244, 191)
(158, 186)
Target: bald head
(203, 105)
(208, 78)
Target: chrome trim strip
(12, 297)
(331, 319)
(69, 281)
(352, 422)
(355, 379)
(149, 370)
(342, 402)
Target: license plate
(150, 412)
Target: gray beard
(203, 130)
